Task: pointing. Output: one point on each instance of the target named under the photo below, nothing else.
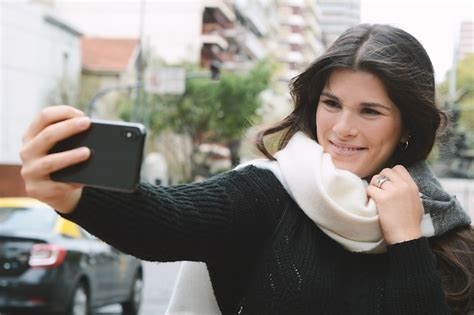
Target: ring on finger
(380, 180)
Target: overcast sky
(435, 23)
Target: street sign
(165, 81)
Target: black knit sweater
(264, 255)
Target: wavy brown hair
(405, 69)
(455, 253)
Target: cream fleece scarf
(336, 201)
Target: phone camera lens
(129, 135)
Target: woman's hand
(398, 203)
(53, 124)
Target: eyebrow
(368, 104)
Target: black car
(49, 264)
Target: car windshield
(27, 219)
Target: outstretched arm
(226, 214)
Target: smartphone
(116, 156)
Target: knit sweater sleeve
(197, 222)
(414, 284)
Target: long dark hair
(397, 59)
(455, 253)
(405, 69)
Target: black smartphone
(116, 156)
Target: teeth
(345, 148)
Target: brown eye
(370, 111)
(331, 103)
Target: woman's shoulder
(253, 184)
(252, 175)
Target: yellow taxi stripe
(20, 202)
(68, 228)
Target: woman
(296, 234)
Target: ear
(405, 136)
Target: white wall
(55, 44)
(31, 65)
(172, 28)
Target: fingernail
(78, 111)
(84, 151)
(83, 122)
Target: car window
(27, 219)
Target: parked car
(49, 264)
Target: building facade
(337, 16)
(109, 65)
(41, 66)
(300, 36)
(466, 39)
(259, 26)
(218, 45)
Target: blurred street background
(159, 284)
(204, 76)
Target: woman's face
(357, 123)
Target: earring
(405, 145)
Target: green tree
(465, 95)
(238, 102)
(212, 111)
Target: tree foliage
(465, 93)
(211, 110)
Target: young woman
(346, 218)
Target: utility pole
(452, 77)
(139, 64)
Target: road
(159, 283)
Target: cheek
(385, 138)
(322, 120)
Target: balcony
(294, 57)
(295, 38)
(254, 14)
(222, 7)
(253, 45)
(209, 28)
(296, 20)
(215, 39)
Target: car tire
(132, 305)
(80, 304)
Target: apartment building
(466, 39)
(337, 16)
(219, 47)
(300, 37)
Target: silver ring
(382, 179)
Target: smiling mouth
(343, 150)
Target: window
(27, 219)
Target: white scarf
(336, 200)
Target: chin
(358, 173)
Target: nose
(345, 125)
